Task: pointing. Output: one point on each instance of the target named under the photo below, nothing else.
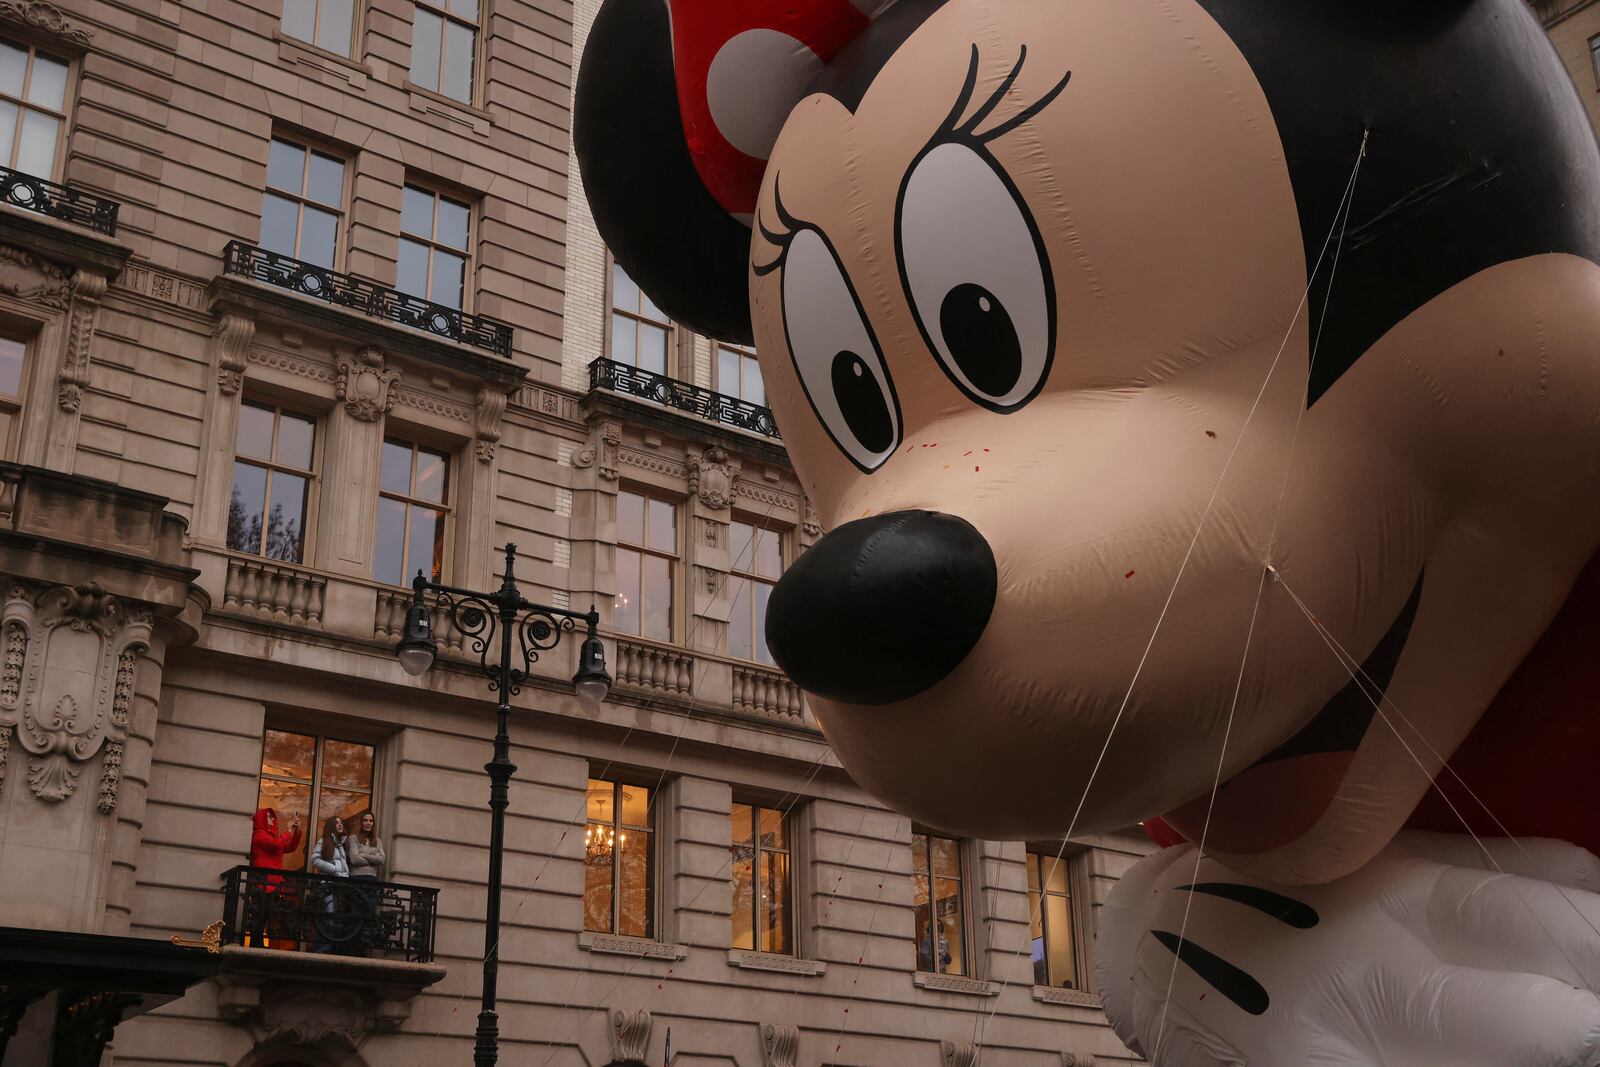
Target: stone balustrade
(655, 669)
(768, 694)
(272, 590)
(389, 621)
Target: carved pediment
(28, 277)
(46, 18)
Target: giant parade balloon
(1202, 398)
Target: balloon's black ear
(649, 203)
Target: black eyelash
(791, 226)
(969, 129)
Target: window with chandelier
(619, 862)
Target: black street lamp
(479, 617)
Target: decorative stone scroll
(958, 1053)
(46, 17)
(601, 452)
(780, 1044)
(31, 278)
(486, 426)
(366, 386)
(711, 478)
(231, 338)
(87, 289)
(1077, 1059)
(630, 1035)
(68, 661)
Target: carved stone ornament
(27, 277)
(711, 478)
(810, 522)
(231, 338)
(780, 1044)
(1077, 1059)
(602, 451)
(491, 406)
(311, 1015)
(43, 16)
(69, 658)
(366, 386)
(958, 1053)
(87, 289)
(630, 1035)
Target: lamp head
(416, 648)
(592, 681)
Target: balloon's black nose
(882, 608)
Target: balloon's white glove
(1409, 962)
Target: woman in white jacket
(329, 860)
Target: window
(315, 778)
(413, 507)
(639, 329)
(1594, 53)
(13, 360)
(304, 199)
(647, 548)
(1055, 947)
(444, 46)
(739, 374)
(619, 861)
(756, 560)
(762, 919)
(941, 930)
(433, 247)
(272, 475)
(33, 108)
(324, 23)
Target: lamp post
(481, 617)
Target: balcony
(299, 912)
(365, 298)
(681, 396)
(58, 201)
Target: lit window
(413, 509)
(619, 861)
(756, 560)
(940, 919)
(647, 549)
(739, 374)
(33, 108)
(444, 46)
(639, 329)
(433, 247)
(272, 475)
(305, 196)
(305, 775)
(13, 361)
(762, 919)
(1055, 946)
(324, 23)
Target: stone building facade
(297, 296)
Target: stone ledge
(1077, 998)
(64, 242)
(310, 995)
(641, 947)
(952, 983)
(779, 964)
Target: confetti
(1128, 575)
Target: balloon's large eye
(975, 270)
(836, 353)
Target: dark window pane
(433, 471)
(295, 437)
(459, 43)
(388, 558)
(13, 68)
(246, 507)
(656, 593)
(412, 275)
(763, 594)
(416, 210)
(12, 355)
(662, 523)
(426, 549)
(286, 518)
(775, 902)
(288, 755)
(48, 85)
(630, 518)
(624, 293)
(288, 799)
(623, 340)
(254, 437)
(741, 639)
(347, 765)
(635, 892)
(325, 180)
(652, 348)
(279, 217)
(625, 605)
(334, 31)
(426, 30)
(449, 279)
(395, 475)
(453, 222)
(286, 165)
(599, 843)
(319, 236)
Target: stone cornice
(63, 242)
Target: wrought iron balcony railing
(298, 912)
(58, 201)
(367, 298)
(647, 385)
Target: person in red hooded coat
(267, 847)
